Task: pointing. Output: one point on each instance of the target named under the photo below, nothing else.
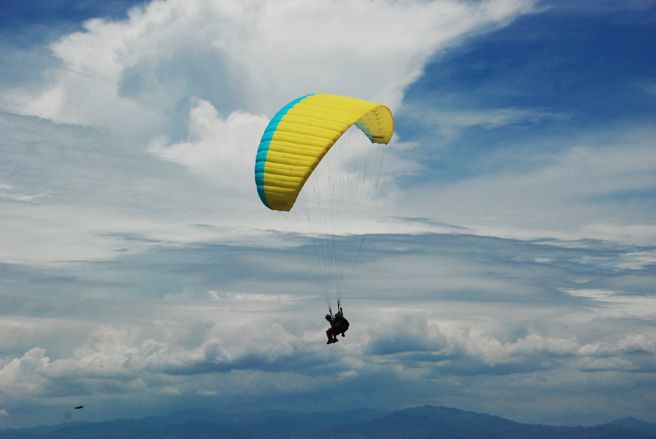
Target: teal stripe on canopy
(263, 149)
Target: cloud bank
(433, 326)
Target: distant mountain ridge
(634, 424)
(412, 423)
(449, 423)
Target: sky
(506, 262)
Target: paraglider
(78, 407)
(338, 324)
(292, 146)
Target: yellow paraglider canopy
(302, 132)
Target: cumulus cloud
(220, 148)
(124, 355)
(131, 75)
(409, 348)
(418, 344)
(25, 375)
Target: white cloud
(409, 345)
(25, 375)
(618, 305)
(575, 194)
(125, 354)
(638, 343)
(130, 75)
(451, 122)
(9, 192)
(220, 148)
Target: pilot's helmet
(328, 317)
